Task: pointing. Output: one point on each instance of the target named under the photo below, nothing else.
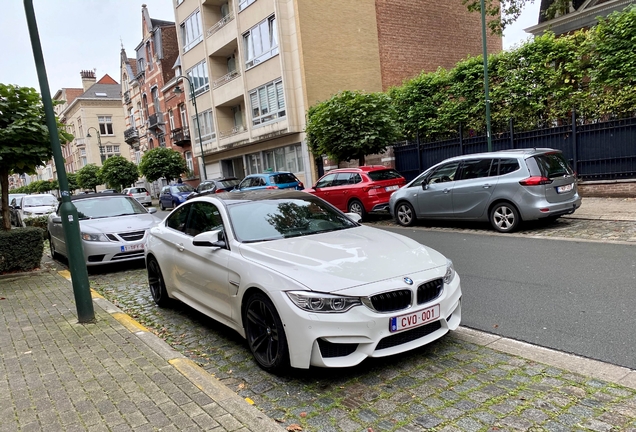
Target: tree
(119, 172)
(88, 177)
(351, 125)
(24, 137)
(72, 182)
(162, 162)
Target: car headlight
(321, 302)
(450, 272)
(94, 237)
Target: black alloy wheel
(405, 214)
(52, 247)
(156, 283)
(265, 334)
(504, 217)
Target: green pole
(68, 212)
(483, 39)
(196, 114)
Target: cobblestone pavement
(450, 385)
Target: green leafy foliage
(21, 249)
(37, 221)
(351, 125)
(72, 182)
(162, 162)
(118, 172)
(89, 177)
(24, 137)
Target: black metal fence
(597, 151)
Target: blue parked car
(172, 196)
(270, 180)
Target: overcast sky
(81, 35)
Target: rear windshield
(387, 174)
(139, 190)
(228, 183)
(283, 178)
(549, 165)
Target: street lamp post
(178, 90)
(483, 39)
(68, 211)
(99, 141)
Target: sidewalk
(617, 209)
(56, 374)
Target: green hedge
(21, 249)
(37, 221)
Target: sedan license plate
(391, 188)
(414, 319)
(564, 188)
(138, 246)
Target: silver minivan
(503, 187)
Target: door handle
(180, 247)
(446, 190)
(486, 186)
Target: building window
(198, 76)
(205, 121)
(140, 65)
(80, 129)
(131, 117)
(171, 119)
(253, 163)
(287, 158)
(179, 2)
(261, 42)
(82, 152)
(105, 125)
(162, 140)
(137, 157)
(188, 159)
(191, 33)
(116, 149)
(244, 3)
(144, 101)
(149, 55)
(83, 161)
(268, 103)
(184, 115)
(154, 92)
(141, 114)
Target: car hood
(344, 259)
(119, 224)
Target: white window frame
(261, 42)
(105, 125)
(288, 158)
(253, 163)
(189, 162)
(191, 31)
(242, 4)
(207, 127)
(198, 76)
(267, 103)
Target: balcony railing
(225, 78)
(127, 96)
(131, 135)
(155, 120)
(219, 25)
(80, 142)
(234, 131)
(180, 136)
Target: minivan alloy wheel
(405, 214)
(504, 217)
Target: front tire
(504, 217)
(54, 253)
(356, 206)
(405, 214)
(265, 334)
(161, 206)
(157, 286)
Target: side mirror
(354, 217)
(152, 210)
(425, 185)
(209, 239)
(56, 220)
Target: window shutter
(271, 98)
(255, 108)
(262, 96)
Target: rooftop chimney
(88, 79)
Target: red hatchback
(359, 190)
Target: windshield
(103, 207)
(181, 188)
(265, 220)
(228, 183)
(37, 201)
(283, 178)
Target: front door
(435, 199)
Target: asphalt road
(572, 296)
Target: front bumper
(346, 339)
(101, 253)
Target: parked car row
(294, 272)
(23, 206)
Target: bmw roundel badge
(408, 281)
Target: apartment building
(92, 114)
(148, 83)
(258, 65)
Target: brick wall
(416, 36)
(608, 188)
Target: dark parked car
(359, 190)
(172, 196)
(217, 185)
(504, 187)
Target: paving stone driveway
(451, 385)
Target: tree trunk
(4, 188)
(361, 160)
